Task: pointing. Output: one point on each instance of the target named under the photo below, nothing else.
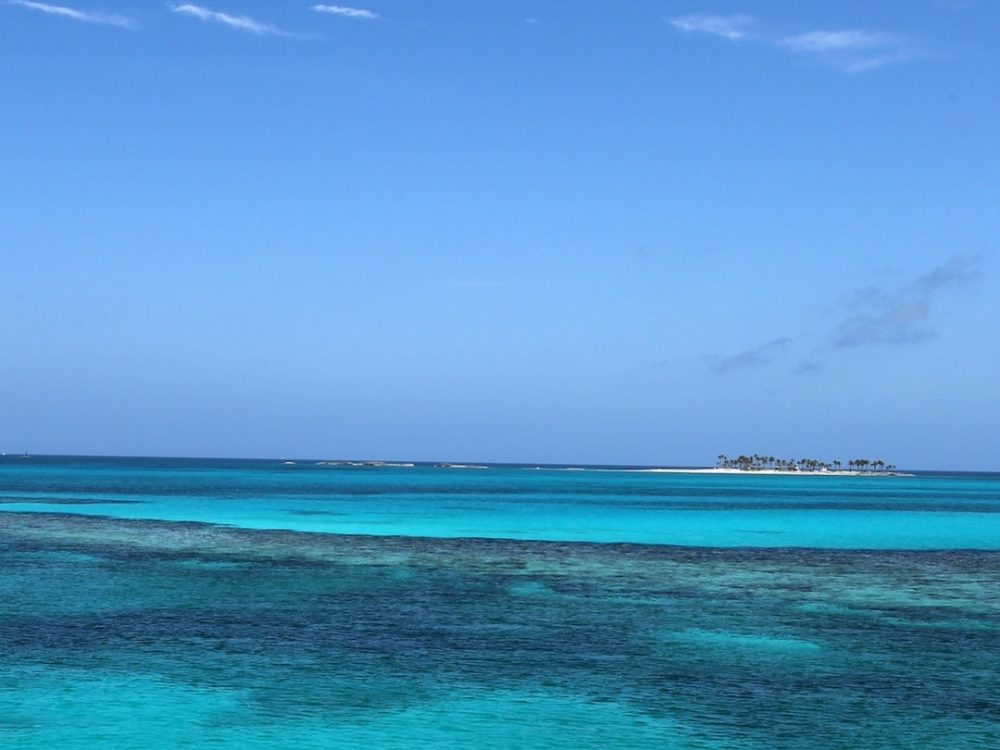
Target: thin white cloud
(340, 10)
(869, 63)
(827, 41)
(728, 27)
(850, 50)
(74, 14)
(243, 23)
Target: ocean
(268, 604)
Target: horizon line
(414, 463)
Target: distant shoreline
(637, 469)
(784, 472)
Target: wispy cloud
(850, 50)
(901, 316)
(755, 357)
(339, 10)
(74, 14)
(959, 271)
(728, 27)
(870, 318)
(853, 50)
(825, 41)
(886, 321)
(243, 23)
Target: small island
(772, 465)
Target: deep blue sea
(262, 604)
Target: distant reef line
(740, 465)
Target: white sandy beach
(795, 473)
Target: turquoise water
(269, 605)
(877, 512)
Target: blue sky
(640, 233)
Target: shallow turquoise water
(920, 512)
(220, 604)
